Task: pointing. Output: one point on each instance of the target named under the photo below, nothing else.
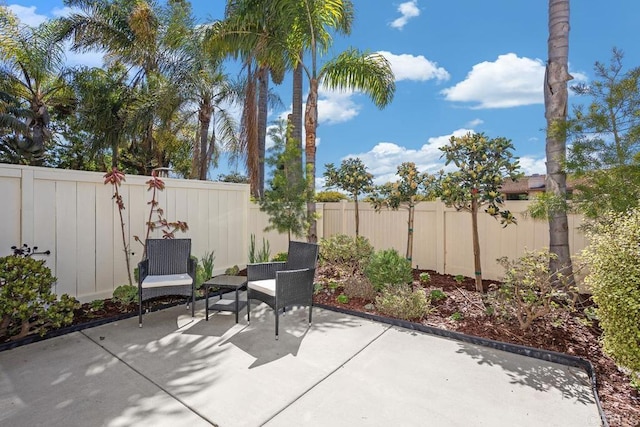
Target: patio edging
(536, 353)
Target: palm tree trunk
(310, 126)
(296, 121)
(410, 222)
(263, 89)
(204, 116)
(555, 100)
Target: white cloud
(410, 67)
(530, 165)
(475, 122)
(336, 107)
(510, 81)
(408, 10)
(385, 157)
(27, 15)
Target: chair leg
(140, 313)
(310, 308)
(277, 323)
(248, 310)
(193, 306)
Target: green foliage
(358, 286)
(457, 316)
(234, 177)
(388, 267)
(459, 278)
(258, 255)
(341, 249)
(280, 256)
(605, 140)
(425, 277)
(232, 271)
(285, 201)
(528, 289)
(546, 205)
(201, 275)
(482, 165)
(437, 295)
(27, 305)
(613, 260)
(351, 176)
(330, 196)
(400, 301)
(342, 299)
(124, 295)
(207, 262)
(96, 305)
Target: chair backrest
(168, 256)
(302, 255)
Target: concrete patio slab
(344, 370)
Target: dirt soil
(463, 310)
(572, 334)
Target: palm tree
(555, 102)
(32, 81)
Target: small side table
(236, 283)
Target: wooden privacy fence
(72, 214)
(442, 236)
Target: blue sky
(460, 65)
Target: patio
(343, 371)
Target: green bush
(27, 305)
(207, 261)
(437, 295)
(402, 302)
(425, 277)
(330, 196)
(257, 255)
(232, 271)
(280, 256)
(528, 290)
(613, 260)
(358, 286)
(342, 299)
(124, 295)
(345, 250)
(388, 267)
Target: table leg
(206, 302)
(237, 305)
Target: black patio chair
(168, 269)
(283, 284)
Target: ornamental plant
(412, 187)
(402, 302)
(388, 267)
(352, 177)
(613, 260)
(27, 305)
(482, 165)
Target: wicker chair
(282, 284)
(168, 269)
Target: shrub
(528, 289)
(207, 261)
(232, 271)
(280, 256)
(437, 295)
(358, 286)
(124, 295)
(257, 255)
(330, 196)
(27, 305)
(346, 250)
(425, 277)
(402, 302)
(613, 259)
(388, 267)
(342, 299)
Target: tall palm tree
(32, 77)
(351, 70)
(555, 102)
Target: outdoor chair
(168, 269)
(282, 284)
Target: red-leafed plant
(116, 178)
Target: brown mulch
(570, 333)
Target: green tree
(482, 165)
(605, 135)
(555, 107)
(32, 83)
(352, 177)
(412, 187)
(284, 201)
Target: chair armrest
(143, 270)
(293, 285)
(264, 270)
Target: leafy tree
(330, 196)
(234, 177)
(284, 201)
(482, 164)
(412, 187)
(605, 151)
(555, 106)
(352, 177)
(32, 84)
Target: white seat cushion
(166, 280)
(267, 286)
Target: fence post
(320, 222)
(441, 238)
